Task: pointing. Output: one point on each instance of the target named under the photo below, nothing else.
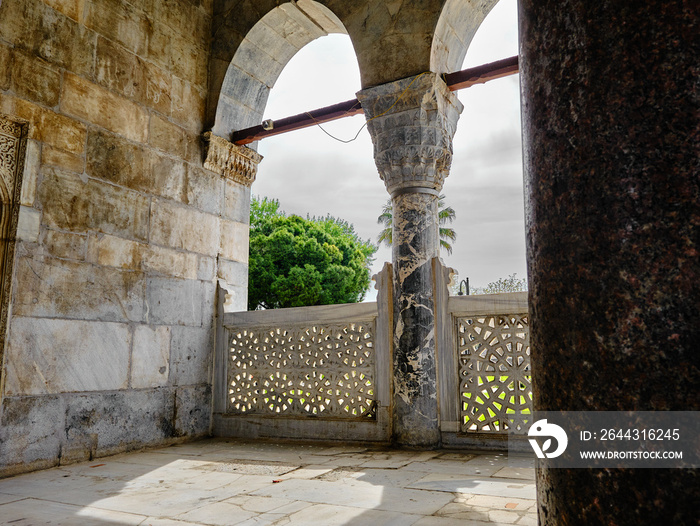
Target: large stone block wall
(122, 233)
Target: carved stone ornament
(13, 144)
(328, 370)
(412, 122)
(495, 371)
(238, 163)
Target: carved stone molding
(412, 122)
(13, 144)
(238, 163)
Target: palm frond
(385, 236)
(447, 233)
(446, 214)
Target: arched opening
(485, 186)
(241, 92)
(309, 171)
(309, 175)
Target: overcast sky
(310, 173)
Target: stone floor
(227, 482)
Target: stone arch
(242, 91)
(456, 27)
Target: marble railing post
(412, 122)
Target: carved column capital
(238, 163)
(412, 122)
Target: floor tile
(476, 485)
(6, 497)
(33, 512)
(325, 514)
(360, 496)
(515, 473)
(258, 483)
(443, 521)
(218, 514)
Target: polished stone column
(610, 136)
(412, 122)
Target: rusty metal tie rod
(455, 81)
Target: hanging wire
(333, 136)
(371, 119)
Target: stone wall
(122, 233)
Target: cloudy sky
(311, 173)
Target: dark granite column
(610, 130)
(412, 122)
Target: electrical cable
(371, 119)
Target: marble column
(412, 122)
(610, 137)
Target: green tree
(296, 262)
(446, 214)
(510, 284)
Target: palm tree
(446, 214)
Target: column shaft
(610, 135)
(415, 243)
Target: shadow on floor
(229, 482)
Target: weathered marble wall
(123, 233)
(610, 133)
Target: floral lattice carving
(495, 374)
(322, 371)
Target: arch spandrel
(392, 38)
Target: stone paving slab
(514, 488)
(325, 514)
(365, 496)
(5, 498)
(226, 482)
(515, 473)
(33, 512)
